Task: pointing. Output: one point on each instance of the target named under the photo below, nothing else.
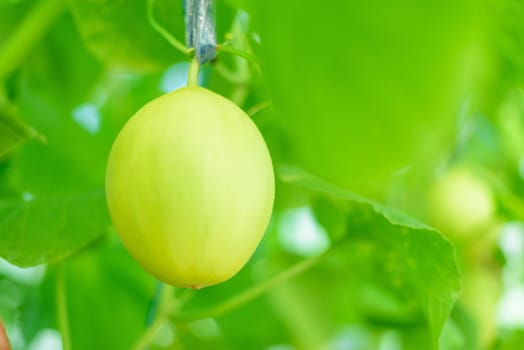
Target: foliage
(364, 106)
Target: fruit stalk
(251, 293)
(192, 76)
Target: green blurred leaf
(510, 37)
(107, 292)
(49, 228)
(242, 4)
(108, 297)
(511, 340)
(10, 14)
(52, 200)
(255, 325)
(460, 331)
(363, 94)
(304, 316)
(367, 89)
(299, 177)
(38, 310)
(410, 265)
(52, 194)
(119, 34)
(13, 132)
(389, 271)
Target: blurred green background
(397, 136)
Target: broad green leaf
(52, 200)
(368, 89)
(299, 177)
(404, 271)
(42, 229)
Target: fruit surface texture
(190, 187)
(461, 204)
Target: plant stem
(165, 308)
(61, 305)
(234, 51)
(150, 333)
(239, 95)
(232, 76)
(162, 31)
(257, 108)
(192, 78)
(28, 33)
(251, 293)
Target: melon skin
(461, 205)
(190, 187)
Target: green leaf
(119, 34)
(106, 292)
(10, 14)
(46, 229)
(460, 331)
(365, 90)
(13, 132)
(109, 285)
(37, 312)
(511, 340)
(241, 4)
(405, 271)
(510, 35)
(52, 200)
(304, 179)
